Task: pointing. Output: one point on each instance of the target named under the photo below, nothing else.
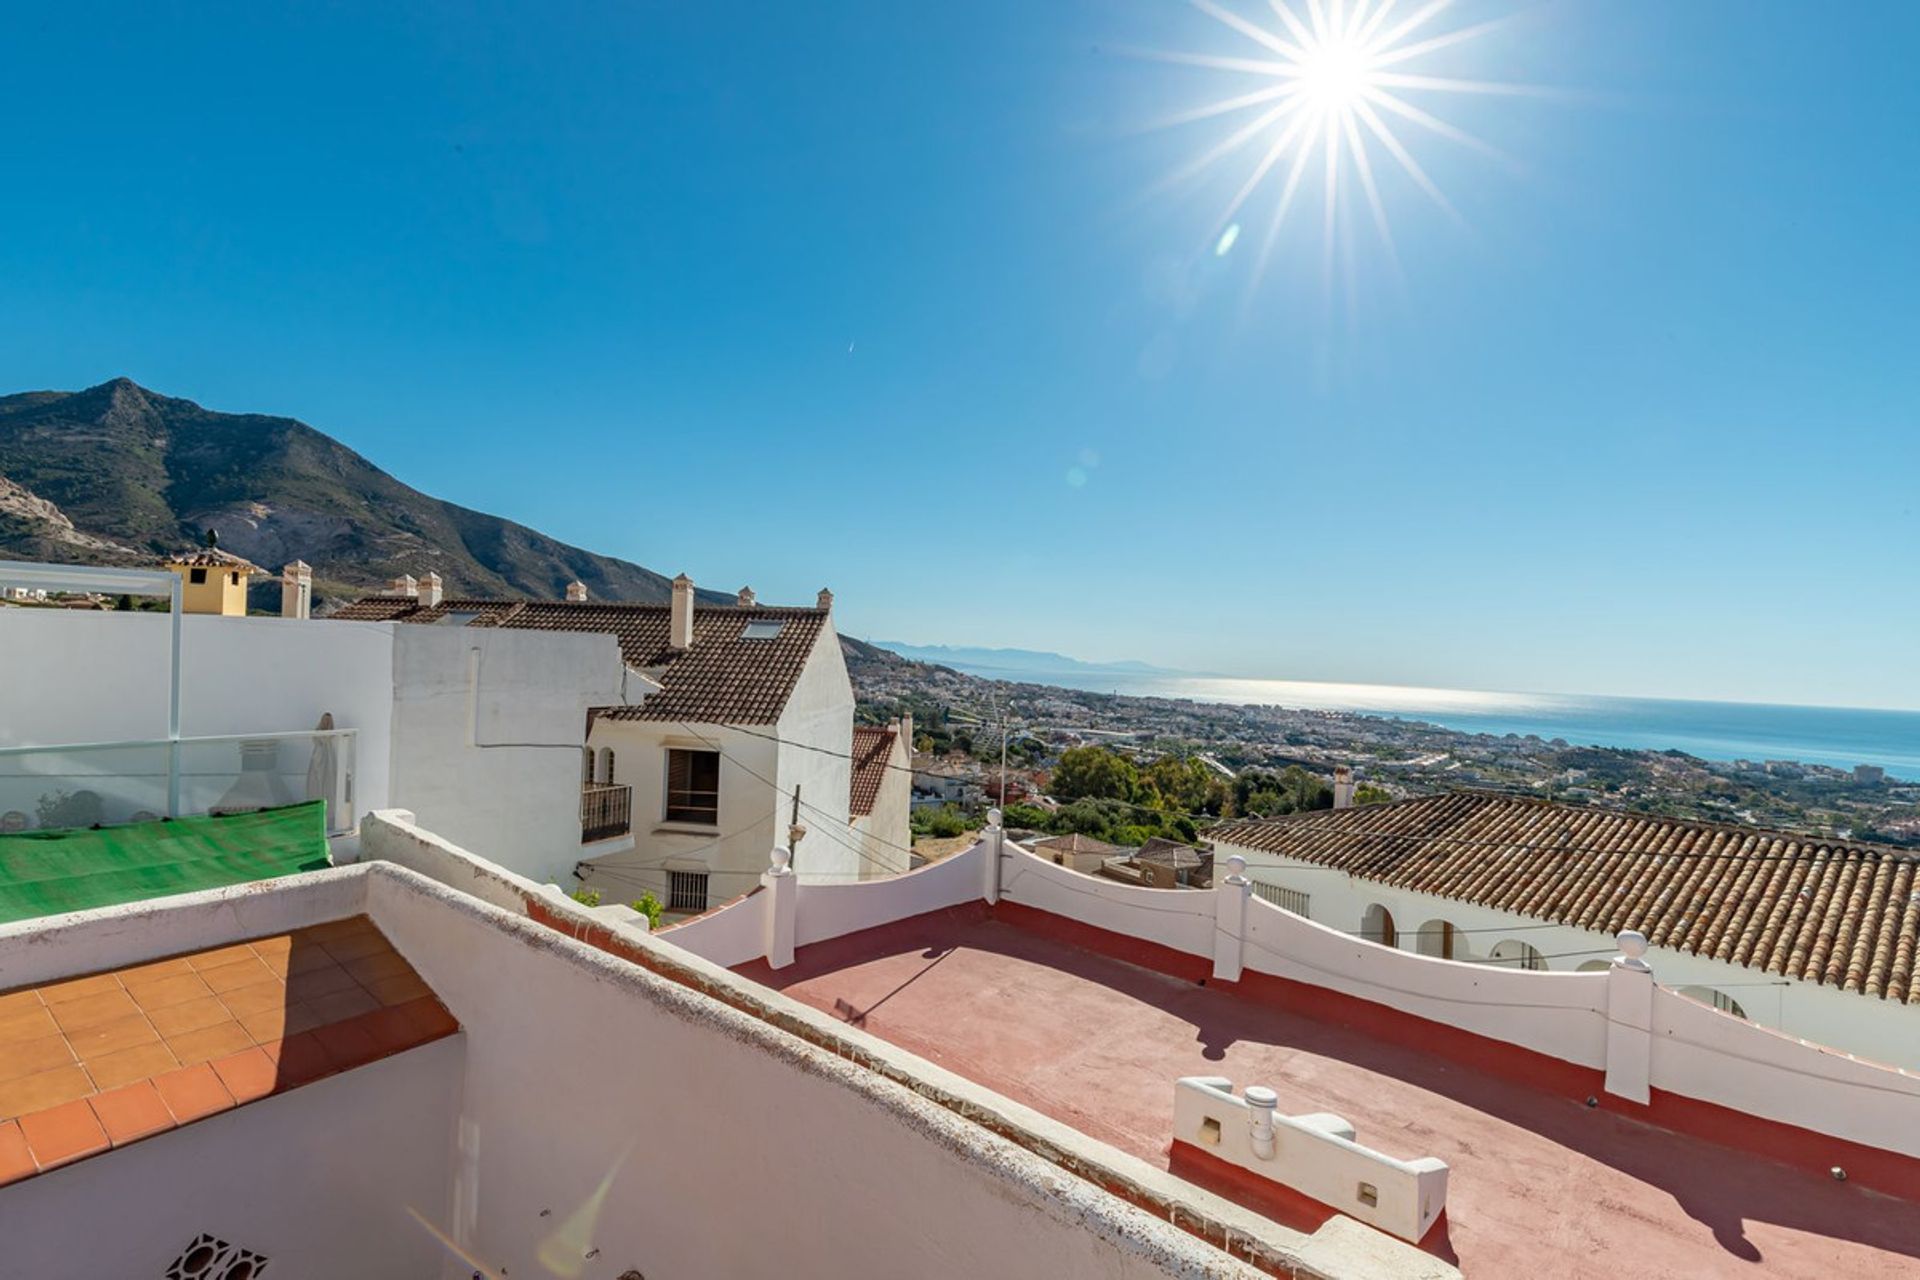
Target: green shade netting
(43, 873)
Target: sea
(1839, 736)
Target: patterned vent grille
(211, 1258)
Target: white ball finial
(1633, 945)
(781, 857)
(993, 817)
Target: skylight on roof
(761, 629)
(454, 618)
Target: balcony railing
(80, 784)
(606, 811)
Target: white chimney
(296, 590)
(825, 602)
(404, 585)
(746, 597)
(680, 615)
(577, 591)
(430, 590)
(1342, 787)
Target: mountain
(1006, 662)
(117, 474)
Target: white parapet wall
(1315, 1155)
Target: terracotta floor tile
(241, 973)
(111, 1037)
(384, 964)
(91, 1011)
(342, 1005)
(242, 1001)
(220, 957)
(29, 1057)
(62, 1134)
(160, 993)
(305, 958)
(16, 1161)
(399, 990)
(79, 988)
(28, 1023)
(192, 1092)
(248, 1075)
(356, 946)
(279, 1023)
(392, 1029)
(342, 928)
(300, 1059)
(431, 1018)
(182, 1018)
(216, 1041)
(279, 946)
(348, 1044)
(15, 1001)
(131, 1113)
(153, 972)
(43, 1089)
(315, 983)
(142, 1062)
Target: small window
(233, 579)
(197, 577)
(761, 629)
(686, 891)
(586, 766)
(693, 786)
(606, 764)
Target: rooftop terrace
(1092, 1030)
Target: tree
(1268, 794)
(1093, 773)
(1370, 794)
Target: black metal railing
(606, 810)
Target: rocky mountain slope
(117, 474)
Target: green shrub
(650, 907)
(587, 897)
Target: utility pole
(795, 832)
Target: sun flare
(1336, 84)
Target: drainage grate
(211, 1258)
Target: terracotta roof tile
(1824, 911)
(71, 1083)
(724, 677)
(872, 749)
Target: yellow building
(215, 581)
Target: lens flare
(1333, 89)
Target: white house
(478, 731)
(744, 741)
(1813, 937)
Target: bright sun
(1337, 79)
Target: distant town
(958, 720)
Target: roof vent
(761, 629)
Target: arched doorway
(1376, 925)
(1594, 966)
(1718, 999)
(1512, 954)
(1440, 939)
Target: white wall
(319, 1179)
(77, 677)
(886, 831)
(1180, 920)
(1883, 1030)
(820, 715)
(487, 729)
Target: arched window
(1439, 938)
(1510, 954)
(1718, 999)
(1594, 966)
(606, 764)
(586, 766)
(1376, 925)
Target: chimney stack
(296, 590)
(680, 615)
(577, 591)
(746, 597)
(1343, 787)
(825, 602)
(404, 585)
(430, 590)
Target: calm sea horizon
(1838, 736)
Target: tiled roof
(1163, 852)
(724, 678)
(872, 750)
(96, 1062)
(1842, 915)
(1077, 844)
(213, 558)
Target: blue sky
(875, 296)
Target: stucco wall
(1882, 1030)
(487, 729)
(820, 715)
(102, 677)
(319, 1179)
(886, 831)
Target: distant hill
(1010, 662)
(117, 474)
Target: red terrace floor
(1540, 1184)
